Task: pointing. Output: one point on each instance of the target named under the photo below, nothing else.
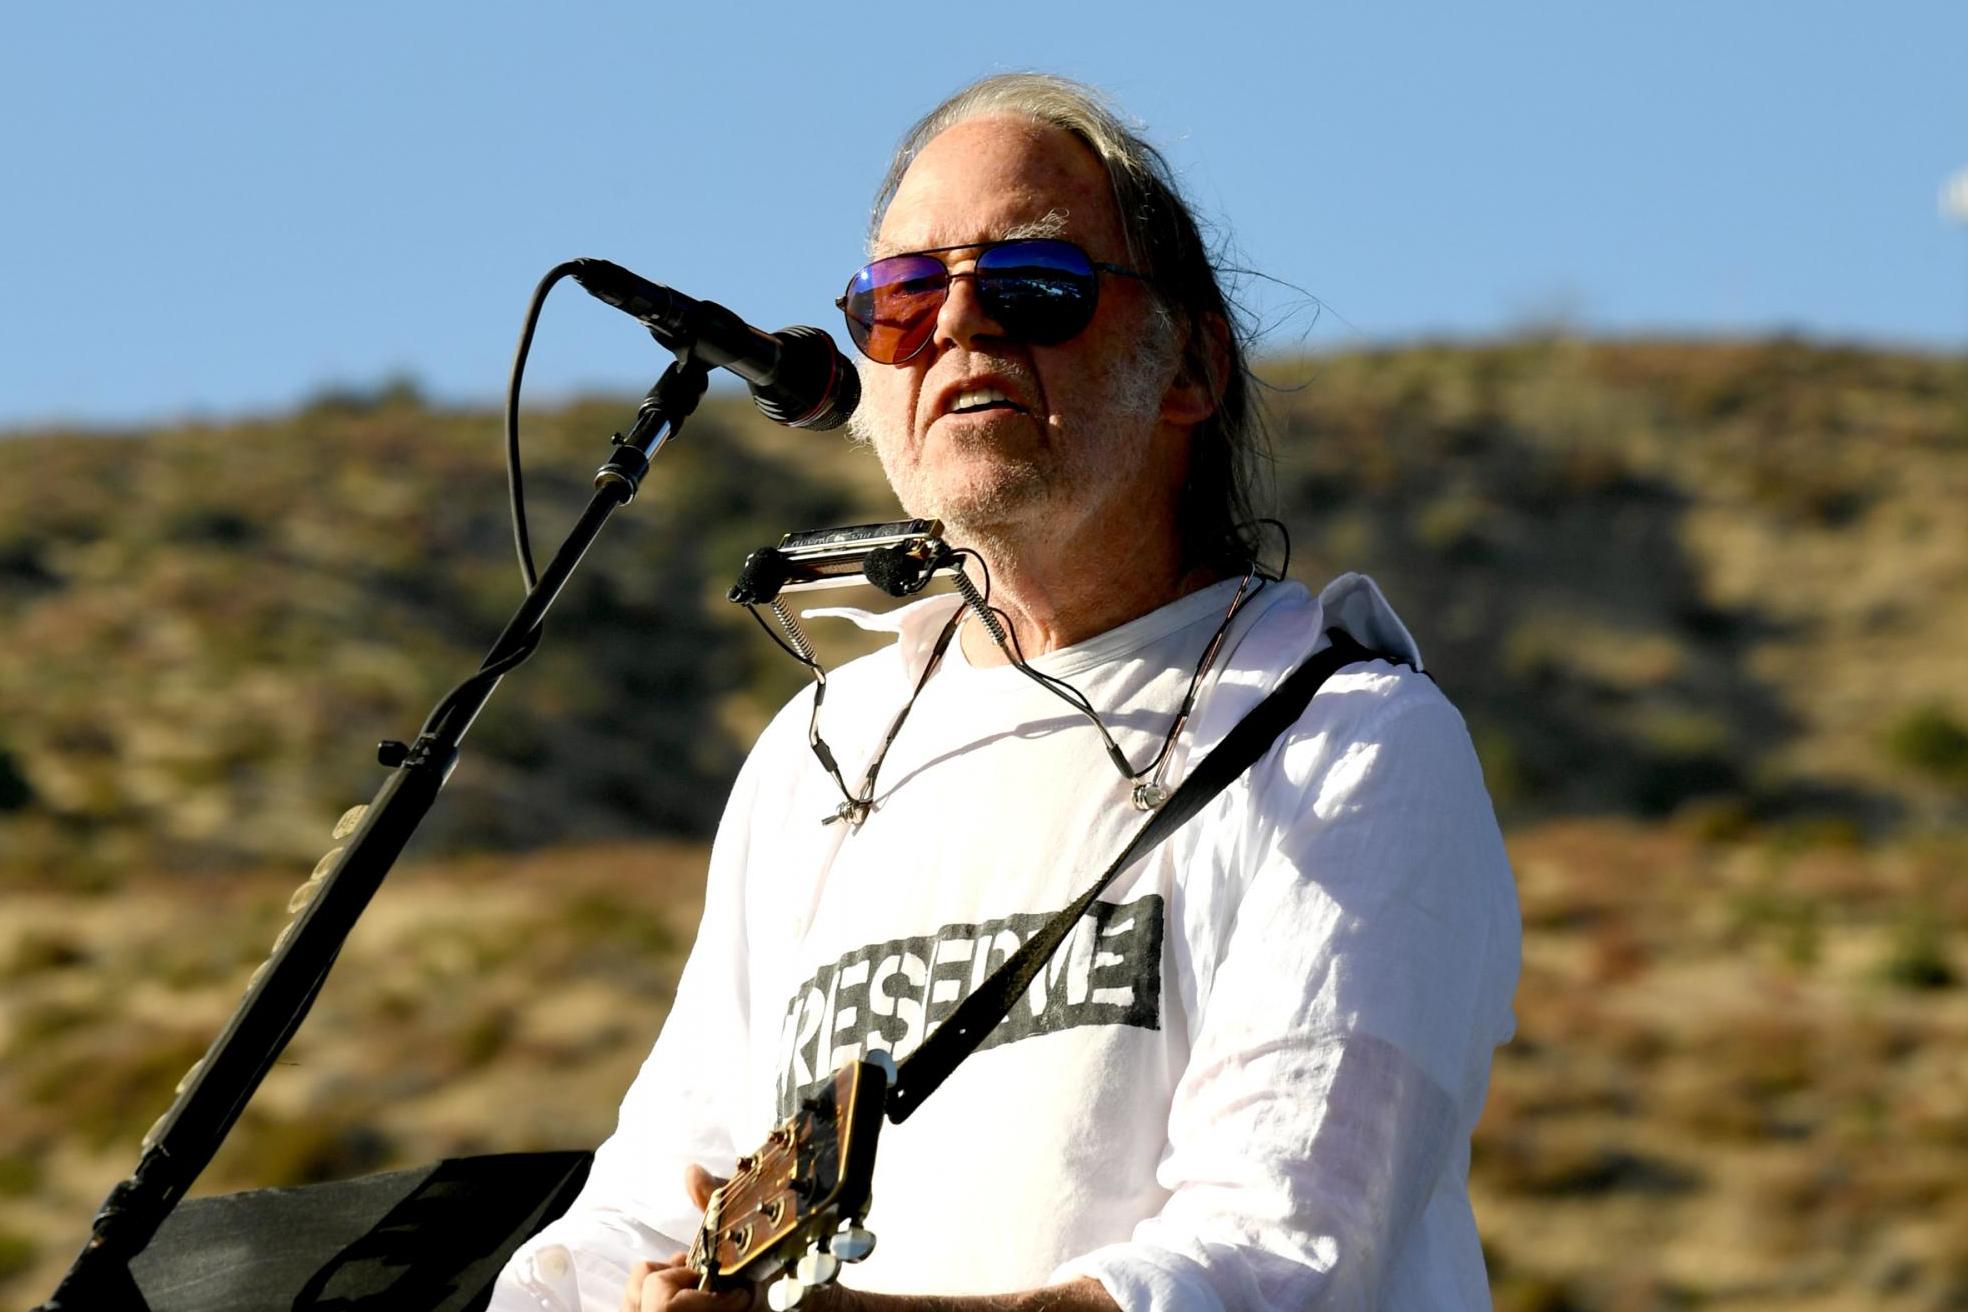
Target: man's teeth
(979, 398)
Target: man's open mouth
(979, 400)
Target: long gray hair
(1227, 450)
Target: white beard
(996, 494)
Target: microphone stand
(218, 1087)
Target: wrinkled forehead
(1053, 223)
(998, 177)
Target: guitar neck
(808, 1183)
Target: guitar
(794, 1209)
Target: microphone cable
(1256, 576)
(493, 670)
(515, 480)
(1145, 780)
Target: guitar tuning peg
(784, 1294)
(852, 1243)
(817, 1268)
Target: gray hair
(1164, 241)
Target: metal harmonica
(832, 557)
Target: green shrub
(15, 791)
(1521, 1291)
(479, 1043)
(1932, 741)
(1793, 923)
(1918, 955)
(40, 951)
(308, 1149)
(20, 1175)
(106, 1097)
(610, 917)
(17, 1254)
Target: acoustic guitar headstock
(794, 1208)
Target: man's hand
(655, 1286)
(673, 1284)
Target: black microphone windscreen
(815, 385)
(761, 577)
(892, 570)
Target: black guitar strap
(919, 1074)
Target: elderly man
(1249, 1078)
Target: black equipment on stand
(277, 1000)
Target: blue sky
(219, 208)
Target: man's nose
(963, 320)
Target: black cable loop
(855, 808)
(490, 671)
(1188, 706)
(494, 667)
(810, 662)
(1284, 535)
(1073, 697)
(515, 482)
(895, 728)
(818, 745)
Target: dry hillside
(1705, 606)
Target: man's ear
(1197, 387)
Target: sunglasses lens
(891, 306)
(1041, 292)
(1038, 291)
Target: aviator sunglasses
(1040, 290)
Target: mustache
(868, 420)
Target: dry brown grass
(1724, 585)
(482, 1005)
(1695, 1113)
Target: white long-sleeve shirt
(1248, 1079)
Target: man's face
(1079, 435)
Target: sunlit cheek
(883, 419)
(892, 392)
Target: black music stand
(432, 1239)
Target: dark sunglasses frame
(1043, 320)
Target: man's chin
(982, 507)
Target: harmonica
(837, 557)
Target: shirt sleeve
(677, 1112)
(1345, 1007)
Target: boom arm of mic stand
(278, 999)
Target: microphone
(798, 376)
(892, 571)
(900, 571)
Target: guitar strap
(922, 1071)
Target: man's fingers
(661, 1289)
(700, 1182)
(653, 1285)
(632, 1291)
(693, 1299)
(674, 1289)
